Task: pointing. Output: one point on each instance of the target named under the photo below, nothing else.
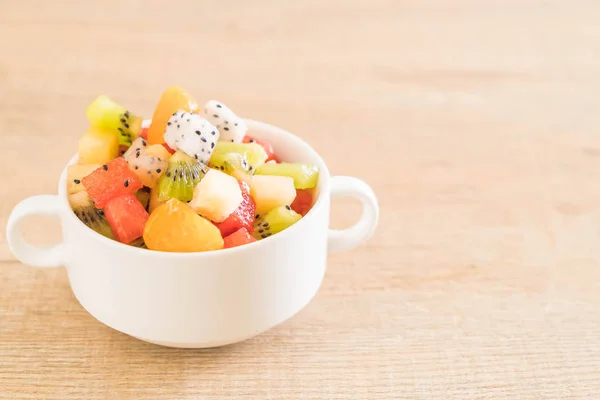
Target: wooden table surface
(476, 122)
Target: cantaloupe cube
(270, 191)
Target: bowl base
(201, 345)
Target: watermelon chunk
(127, 217)
(111, 180)
(238, 238)
(303, 201)
(265, 145)
(242, 217)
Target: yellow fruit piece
(158, 150)
(154, 201)
(98, 146)
(270, 192)
(75, 173)
(173, 99)
(175, 227)
(216, 196)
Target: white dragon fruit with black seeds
(191, 134)
(147, 162)
(138, 146)
(231, 127)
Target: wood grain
(476, 122)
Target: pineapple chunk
(98, 146)
(75, 173)
(216, 196)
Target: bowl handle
(344, 186)
(26, 253)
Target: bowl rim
(322, 192)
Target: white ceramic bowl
(200, 299)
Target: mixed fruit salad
(191, 181)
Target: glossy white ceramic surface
(200, 299)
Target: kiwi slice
(143, 196)
(236, 165)
(108, 114)
(234, 162)
(181, 177)
(305, 176)
(84, 208)
(254, 154)
(274, 221)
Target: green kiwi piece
(181, 177)
(254, 154)
(106, 113)
(274, 221)
(233, 162)
(305, 176)
(84, 209)
(236, 165)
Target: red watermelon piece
(238, 238)
(111, 180)
(242, 217)
(303, 201)
(127, 217)
(265, 145)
